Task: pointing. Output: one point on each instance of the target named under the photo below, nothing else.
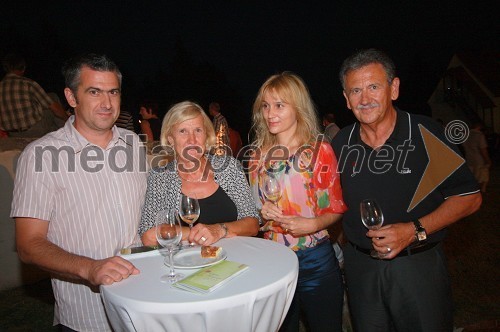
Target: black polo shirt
(392, 174)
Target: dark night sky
(251, 40)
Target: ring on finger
(203, 238)
(389, 249)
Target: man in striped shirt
(78, 196)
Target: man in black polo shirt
(385, 156)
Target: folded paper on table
(211, 277)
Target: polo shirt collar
(79, 142)
(402, 130)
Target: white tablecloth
(256, 300)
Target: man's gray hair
(364, 58)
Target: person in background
(125, 120)
(235, 141)
(383, 157)
(221, 127)
(73, 221)
(26, 110)
(57, 120)
(287, 148)
(150, 123)
(331, 129)
(477, 156)
(214, 180)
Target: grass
(27, 308)
(473, 257)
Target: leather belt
(408, 251)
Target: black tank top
(217, 208)
(155, 128)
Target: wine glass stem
(171, 257)
(191, 244)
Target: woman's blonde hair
(293, 91)
(181, 112)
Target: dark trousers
(319, 292)
(410, 293)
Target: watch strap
(420, 232)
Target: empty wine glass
(189, 210)
(168, 235)
(373, 218)
(271, 188)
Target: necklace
(190, 180)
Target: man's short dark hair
(215, 105)
(73, 67)
(329, 117)
(13, 61)
(364, 58)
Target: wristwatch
(420, 233)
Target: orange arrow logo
(443, 161)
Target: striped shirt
(125, 120)
(21, 102)
(92, 199)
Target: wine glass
(168, 235)
(271, 188)
(373, 218)
(189, 210)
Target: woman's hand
(270, 211)
(206, 234)
(297, 225)
(149, 237)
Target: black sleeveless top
(217, 208)
(155, 128)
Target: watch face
(421, 236)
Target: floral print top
(310, 187)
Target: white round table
(256, 300)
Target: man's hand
(391, 239)
(110, 270)
(34, 248)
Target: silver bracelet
(224, 227)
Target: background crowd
(313, 198)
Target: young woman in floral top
(287, 145)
